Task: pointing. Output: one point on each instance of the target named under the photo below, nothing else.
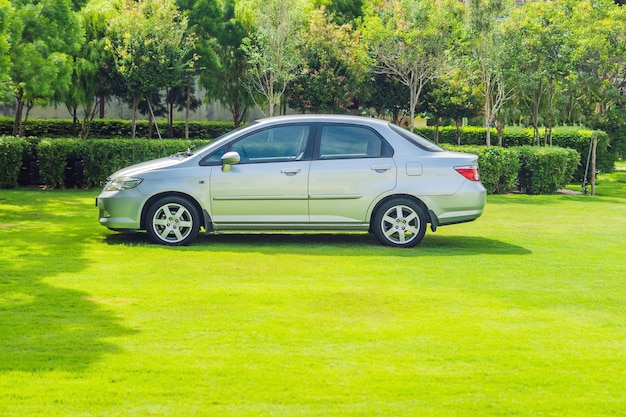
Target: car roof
(336, 118)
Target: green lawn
(520, 313)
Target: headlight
(123, 183)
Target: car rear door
(352, 166)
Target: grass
(522, 312)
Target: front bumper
(120, 210)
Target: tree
(151, 48)
(600, 61)
(93, 64)
(387, 95)
(272, 47)
(332, 76)
(451, 97)
(341, 11)
(205, 17)
(409, 40)
(6, 12)
(540, 51)
(45, 37)
(487, 58)
(226, 83)
(180, 98)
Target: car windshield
(417, 140)
(215, 143)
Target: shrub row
(529, 169)
(609, 149)
(63, 163)
(115, 128)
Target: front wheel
(400, 223)
(173, 221)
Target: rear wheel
(173, 221)
(400, 223)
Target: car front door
(269, 184)
(352, 166)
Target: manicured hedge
(529, 169)
(11, 156)
(64, 162)
(87, 163)
(544, 170)
(102, 157)
(115, 128)
(610, 148)
(499, 167)
(472, 135)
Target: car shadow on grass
(44, 327)
(340, 244)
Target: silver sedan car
(305, 172)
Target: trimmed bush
(499, 167)
(65, 163)
(544, 170)
(56, 157)
(116, 128)
(104, 156)
(11, 156)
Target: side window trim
(386, 148)
(306, 155)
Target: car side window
(337, 142)
(276, 144)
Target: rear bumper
(465, 205)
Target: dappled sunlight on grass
(520, 312)
(44, 327)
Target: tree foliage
(225, 83)
(45, 35)
(151, 48)
(409, 40)
(272, 47)
(537, 63)
(6, 12)
(93, 64)
(335, 64)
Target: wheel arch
(393, 197)
(204, 218)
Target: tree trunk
(594, 145)
(102, 106)
(187, 107)
(135, 106)
(83, 125)
(150, 120)
(22, 130)
(170, 112)
(17, 122)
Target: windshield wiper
(182, 153)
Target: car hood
(147, 166)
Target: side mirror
(229, 159)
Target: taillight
(470, 172)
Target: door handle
(290, 171)
(381, 168)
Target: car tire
(399, 222)
(173, 221)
